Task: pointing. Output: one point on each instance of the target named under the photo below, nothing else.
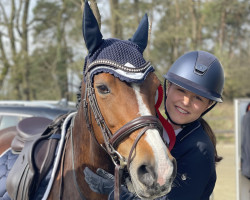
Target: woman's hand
(103, 182)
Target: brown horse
(123, 104)
(115, 124)
(119, 116)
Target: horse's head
(120, 89)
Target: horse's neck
(86, 149)
(82, 151)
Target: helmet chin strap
(210, 108)
(173, 122)
(166, 112)
(170, 119)
(183, 125)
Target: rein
(111, 141)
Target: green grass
(225, 138)
(221, 120)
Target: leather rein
(111, 141)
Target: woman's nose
(186, 100)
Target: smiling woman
(184, 106)
(193, 86)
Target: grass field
(221, 120)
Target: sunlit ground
(225, 188)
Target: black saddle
(36, 144)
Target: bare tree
(15, 34)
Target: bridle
(111, 141)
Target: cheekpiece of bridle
(113, 140)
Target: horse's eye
(103, 89)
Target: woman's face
(184, 106)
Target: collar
(187, 130)
(166, 137)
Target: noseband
(113, 140)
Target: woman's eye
(103, 89)
(181, 90)
(197, 97)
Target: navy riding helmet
(199, 72)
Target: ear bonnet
(122, 58)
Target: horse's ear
(90, 29)
(140, 37)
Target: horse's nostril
(146, 175)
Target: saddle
(27, 130)
(36, 144)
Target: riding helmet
(199, 72)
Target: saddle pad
(7, 160)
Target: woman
(193, 86)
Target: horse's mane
(78, 96)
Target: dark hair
(212, 137)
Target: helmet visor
(193, 87)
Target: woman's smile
(182, 111)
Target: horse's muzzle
(152, 173)
(151, 186)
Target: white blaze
(163, 163)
